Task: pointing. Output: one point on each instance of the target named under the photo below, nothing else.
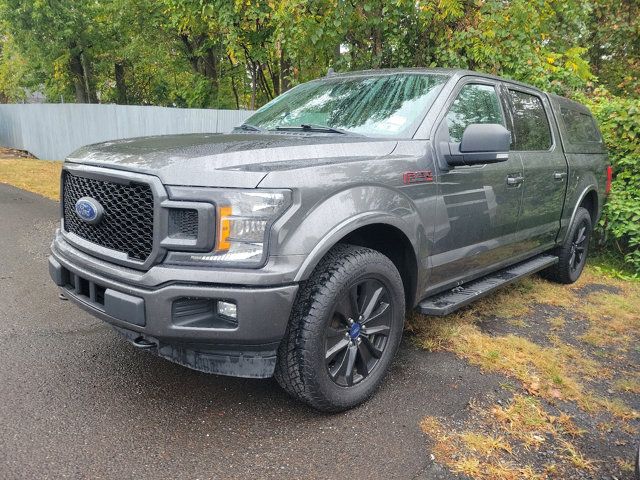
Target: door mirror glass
(481, 143)
(488, 137)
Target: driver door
(478, 205)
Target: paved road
(76, 401)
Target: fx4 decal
(417, 177)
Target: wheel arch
(588, 198)
(386, 234)
(589, 201)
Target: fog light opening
(228, 309)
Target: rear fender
(575, 195)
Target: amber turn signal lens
(224, 228)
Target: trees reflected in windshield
(385, 105)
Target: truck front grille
(127, 224)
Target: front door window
(476, 103)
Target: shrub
(619, 120)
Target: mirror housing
(481, 143)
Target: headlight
(243, 221)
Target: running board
(446, 302)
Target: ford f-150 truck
(294, 245)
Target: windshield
(386, 105)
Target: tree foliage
(242, 53)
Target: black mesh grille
(127, 225)
(183, 223)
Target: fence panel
(53, 131)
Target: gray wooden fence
(53, 131)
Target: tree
(243, 53)
(57, 38)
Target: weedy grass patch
(555, 370)
(562, 345)
(501, 442)
(38, 176)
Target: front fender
(313, 231)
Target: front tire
(344, 330)
(572, 254)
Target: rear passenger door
(534, 138)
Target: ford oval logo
(89, 210)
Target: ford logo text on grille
(89, 210)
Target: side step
(446, 302)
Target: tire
(321, 344)
(572, 254)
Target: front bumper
(148, 317)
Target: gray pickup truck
(294, 245)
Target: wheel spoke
(336, 348)
(340, 364)
(344, 309)
(381, 330)
(581, 236)
(351, 361)
(379, 317)
(572, 259)
(371, 302)
(376, 352)
(353, 297)
(364, 357)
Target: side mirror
(481, 143)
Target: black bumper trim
(119, 305)
(257, 362)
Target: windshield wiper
(252, 128)
(310, 127)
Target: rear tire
(572, 254)
(345, 328)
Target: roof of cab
(565, 102)
(449, 72)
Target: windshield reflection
(383, 105)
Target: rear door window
(530, 122)
(580, 126)
(476, 103)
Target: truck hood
(239, 160)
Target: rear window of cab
(580, 127)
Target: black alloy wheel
(345, 328)
(357, 334)
(579, 245)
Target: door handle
(559, 175)
(514, 180)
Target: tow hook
(143, 344)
